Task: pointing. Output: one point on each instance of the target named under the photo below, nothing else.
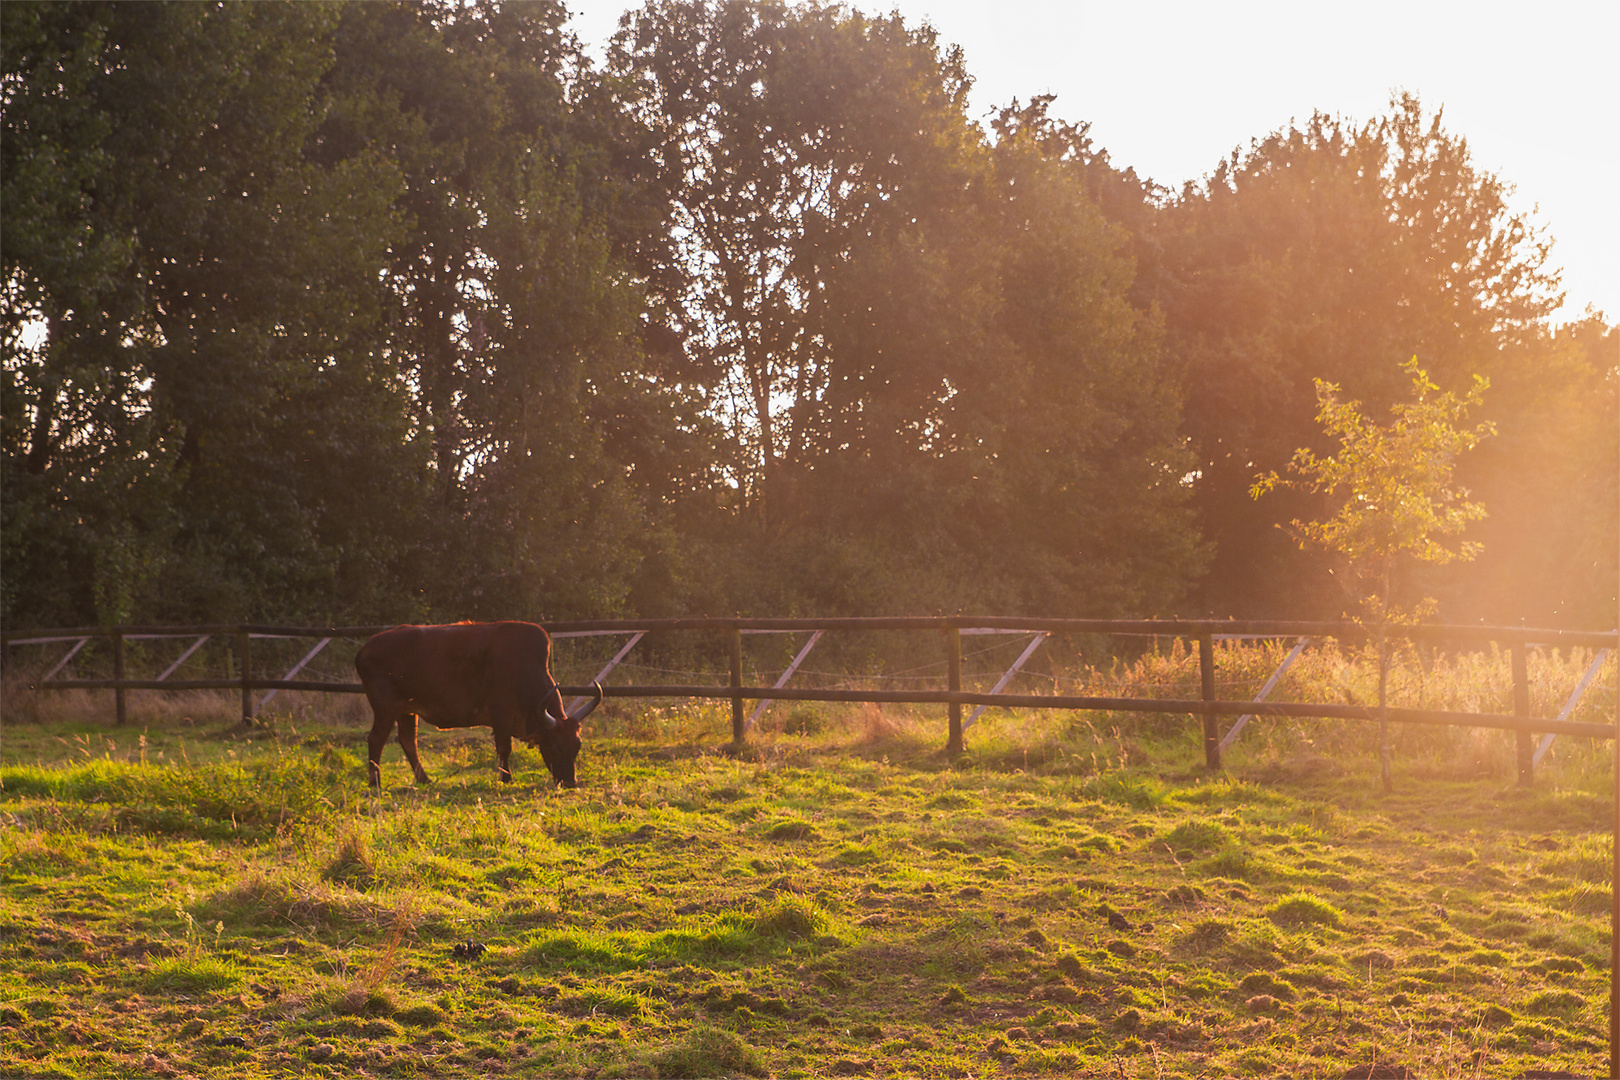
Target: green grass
(1074, 897)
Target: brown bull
(495, 675)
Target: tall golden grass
(1476, 681)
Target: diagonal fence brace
(786, 675)
(611, 664)
(1569, 706)
(62, 663)
(296, 668)
(1029, 650)
(1271, 684)
(172, 668)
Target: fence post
(1206, 675)
(1386, 775)
(118, 677)
(1523, 743)
(244, 659)
(953, 669)
(736, 687)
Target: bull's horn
(586, 709)
(554, 716)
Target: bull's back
(451, 675)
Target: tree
(1550, 478)
(784, 139)
(1077, 400)
(935, 389)
(322, 308)
(1049, 474)
(188, 299)
(514, 306)
(1318, 254)
(1396, 499)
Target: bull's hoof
(469, 950)
(423, 778)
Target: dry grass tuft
(874, 725)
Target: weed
(352, 863)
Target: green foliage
(921, 337)
(1548, 477)
(1327, 250)
(185, 425)
(1395, 498)
(790, 141)
(353, 312)
(511, 316)
(1393, 485)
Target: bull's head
(558, 734)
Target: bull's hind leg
(381, 727)
(407, 743)
(503, 751)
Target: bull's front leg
(503, 751)
(407, 743)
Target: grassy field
(1076, 896)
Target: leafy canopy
(1399, 497)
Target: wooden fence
(1207, 707)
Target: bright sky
(1171, 87)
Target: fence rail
(1185, 628)
(1205, 631)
